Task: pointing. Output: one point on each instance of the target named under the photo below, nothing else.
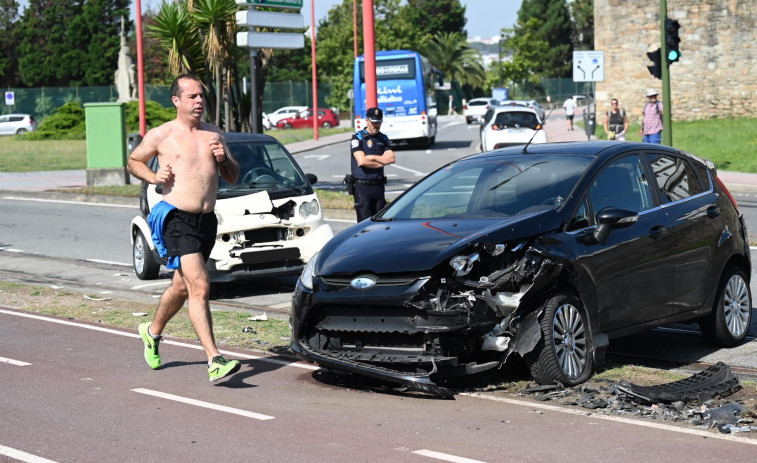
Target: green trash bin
(106, 144)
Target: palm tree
(175, 32)
(216, 22)
(450, 53)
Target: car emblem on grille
(363, 282)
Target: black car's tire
(146, 265)
(564, 354)
(728, 323)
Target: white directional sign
(252, 18)
(276, 40)
(10, 99)
(276, 3)
(588, 66)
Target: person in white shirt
(570, 110)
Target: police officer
(371, 151)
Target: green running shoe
(151, 346)
(221, 367)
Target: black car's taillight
(727, 193)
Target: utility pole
(667, 131)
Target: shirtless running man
(190, 153)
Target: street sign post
(10, 99)
(588, 66)
(254, 40)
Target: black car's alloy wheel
(564, 353)
(146, 265)
(731, 316)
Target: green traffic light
(673, 55)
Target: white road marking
(80, 203)
(18, 363)
(107, 262)
(148, 285)
(617, 419)
(200, 403)
(445, 456)
(173, 343)
(319, 157)
(22, 456)
(415, 172)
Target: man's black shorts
(188, 233)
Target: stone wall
(716, 75)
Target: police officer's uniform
(368, 183)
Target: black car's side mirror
(311, 178)
(613, 218)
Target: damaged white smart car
(269, 223)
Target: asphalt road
(91, 398)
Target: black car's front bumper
(414, 381)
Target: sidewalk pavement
(556, 128)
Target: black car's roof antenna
(525, 148)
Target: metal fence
(43, 101)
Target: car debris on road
(699, 400)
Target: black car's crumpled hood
(417, 245)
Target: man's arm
(229, 167)
(370, 161)
(138, 159)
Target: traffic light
(672, 40)
(656, 68)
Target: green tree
(42, 47)
(432, 17)
(452, 55)
(216, 23)
(554, 29)
(528, 51)
(101, 37)
(8, 43)
(335, 48)
(582, 12)
(174, 31)
(70, 43)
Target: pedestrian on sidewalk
(191, 153)
(616, 122)
(570, 110)
(370, 151)
(451, 111)
(651, 119)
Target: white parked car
(512, 125)
(269, 223)
(475, 109)
(270, 120)
(17, 124)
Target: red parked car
(326, 118)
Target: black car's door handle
(657, 232)
(713, 212)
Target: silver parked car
(17, 124)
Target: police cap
(375, 114)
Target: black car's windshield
(504, 186)
(263, 166)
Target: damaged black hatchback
(546, 254)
